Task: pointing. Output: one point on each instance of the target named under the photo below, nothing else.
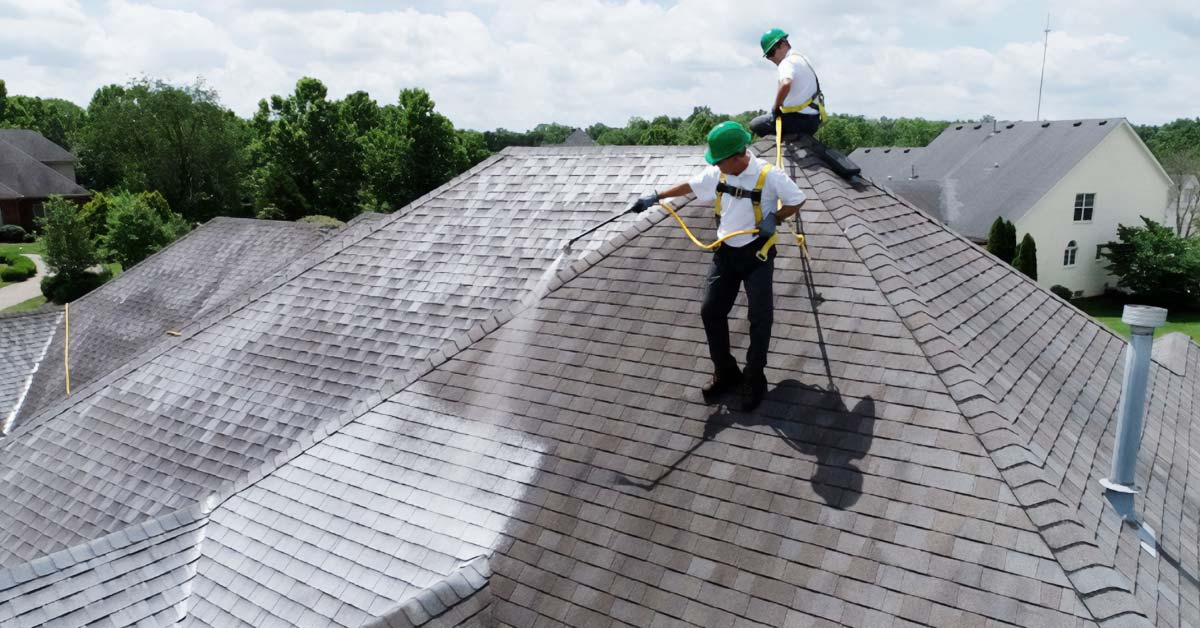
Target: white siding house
(1066, 183)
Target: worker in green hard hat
(745, 192)
(798, 98)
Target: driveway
(26, 290)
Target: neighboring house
(578, 137)
(1067, 183)
(439, 418)
(32, 168)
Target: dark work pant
(732, 267)
(793, 124)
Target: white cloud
(520, 62)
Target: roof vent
(866, 150)
(1045, 124)
(914, 170)
(978, 126)
(1077, 123)
(1103, 122)
(996, 165)
(907, 151)
(887, 150)
(1009, 125)
(958, 128)
(1120, 487)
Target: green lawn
(37, 248)
(1108, 311)
(31, 304)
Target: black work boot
(720, 382)
(754, 387)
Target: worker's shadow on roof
(813, 421)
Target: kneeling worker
(746, 191)
(798, 100)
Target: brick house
(32, 169)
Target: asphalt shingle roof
(242, 384)
(36, 145)
(24, 339)
(185, 281)
(972, 173)
(928, 453)
(23, 169)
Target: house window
(1069, 254)
(1084, 204)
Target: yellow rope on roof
(67, 347)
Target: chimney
(1120, 486)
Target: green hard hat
(726, 140)
(770, 38)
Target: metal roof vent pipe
(1120, 486)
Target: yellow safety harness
(755, 197)
(817, 98)
(762, 253)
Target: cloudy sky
(515, 63)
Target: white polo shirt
(804, 81)
(737, 214)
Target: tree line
(303, 153)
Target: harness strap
(818, 98)
(754, 195)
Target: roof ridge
(440, 598)
(39, 311)
(87, 550)
(1072, 545)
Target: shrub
(69, 249)
(1026, 259)
(1154, 264)
(16, 267)
(138, 225)
(30, 238)
(324, 221)
(62, 288)
(1063, 292)
(12, 233)
(1002, 240)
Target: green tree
(1180, 136)
(3, 99)
(1002, 240)
(57, 119)
(69, 250)
(138, 225)
(473, 147)
(95, 215)
(387, 153)
(551, 134)
(1154, 264)
(435, 155)
(361, 111)
(309, 160)
(1026, 257)
(179, 141)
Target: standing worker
(798, 100)
(746, 192)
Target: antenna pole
(1042, 80)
